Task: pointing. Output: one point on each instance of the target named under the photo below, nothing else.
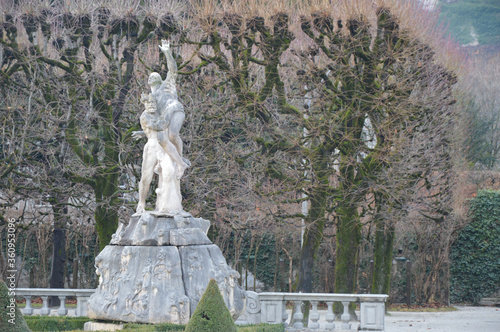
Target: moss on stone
(211, 314)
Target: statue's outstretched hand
(165, 46)
(138, 134)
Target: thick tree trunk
(312, 238)
(346, 263)
(106, 224)
(315, 224)
(305, 277)
(58, 259)
(382, 261)
(106, 215)
(348, 239)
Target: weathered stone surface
(149, 229)
(205, 262)
(156, 270)
(140, 284)
(188, 236)
(97, 326)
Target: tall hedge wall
(475, 256)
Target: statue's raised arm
(169, 83)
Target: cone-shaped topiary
(10, 317)
(211, 314)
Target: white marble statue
(161, 123)
(158, 265)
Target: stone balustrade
(271, 308)
(82, 296)
(260, 308)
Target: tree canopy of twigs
(344, 105)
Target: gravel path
(465, 319)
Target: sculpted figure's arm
(169, 83)
(151, 122)
(159, 125)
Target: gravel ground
(465, 319)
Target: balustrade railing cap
(323, 297)
(54, 291)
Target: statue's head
(149, 102)
(154, 79)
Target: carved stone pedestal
(157, 268)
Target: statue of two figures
(161, 122)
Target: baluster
(45, 306)
(345, 316)
(298, 315)
(285, 314)
(62, 309)
(330, 317)
(314, 316)
(28, 310)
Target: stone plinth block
(96, 326)
(153, 229)
(156, 269)
(188, 236)
(140, 284)
(205, 262)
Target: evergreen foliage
(475, 256)
(59, 323)
(211, 314)
(263, 258)
(11, 320)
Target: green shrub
(11, 318)
(55, 323)
(475, 256)
(211, 314)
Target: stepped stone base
(96, 326)
(156, 270)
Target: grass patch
(75, 324)
(166, 327)
(262, 328)
(421, 308)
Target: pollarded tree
(34, 148)
(88, 59)
(336, 104)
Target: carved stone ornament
(157, 269)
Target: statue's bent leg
(174, 129)
(173, 133)
(171, 150)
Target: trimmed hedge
(56, 323)
(211, 313)
(475, 256)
